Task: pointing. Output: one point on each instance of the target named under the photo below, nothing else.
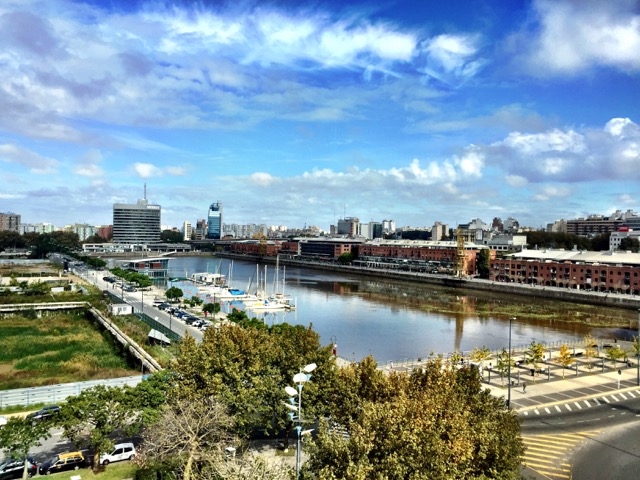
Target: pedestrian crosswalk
(549, 455)
(577, 405)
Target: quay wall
(555, 293)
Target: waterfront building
(608, 271)
(9, 222)
(505, 242)
(323, 248)
(214, 221)
(424, 255)
(137, 223)
(264, 247)
(155, 268)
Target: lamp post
(511, 319)
(299, 379)
(489, 372)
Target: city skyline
(291, 113)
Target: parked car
(12, 468)
(44, 413)
(3, 421)
(62, 462)
(121, 451)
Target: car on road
(3, 421)
(121, 451)
(62, 462)
(44, 413)
(12, 468)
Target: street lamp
(299, 379)
(511, 319)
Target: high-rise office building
(136, 223)
(187, 230)
(214, 221)
(9, 221)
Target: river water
(400, 320)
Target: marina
(394, 320)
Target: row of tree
(434, 423)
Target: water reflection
(396, 320)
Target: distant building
(137, 223)
(10, 222)
(214, 220)
(348, 226)
(439, 231)
(36, 228)
(625, 232)
(83, 230)
(105, 231)
(201, 229)
(186, 230)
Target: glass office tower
(214, 230)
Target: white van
(121, 451)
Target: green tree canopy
(174, 293)
(483, 263)
(20, 435)
(629, 244)
(436, 423)
(171, 236)
(345, 258)
(90, 418)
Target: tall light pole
(511, 319)
(299, 379)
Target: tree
(483, 263)
(565, 359)
(93, 415)
(211, 308)
(502, 364)
(174, 293)
(629, 244)
(189, 442)
(247, 368)
(616, 353)
(20, 435)
(534, 355)
(345, 258)
(437, 423)
(635, 347)
(480, 355)
(590, 349)
(171, 236)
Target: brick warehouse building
(441, 253)
(598, 271)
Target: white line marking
(622, 395)
(568, 407)
(547, 410)
(587, 403)
(537, 411)
(597, 401)
(606, 399)
(615, 399)
(577, 405)
(558, 408)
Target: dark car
(44, 413)
(62, 462)
(12, 468)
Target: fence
(60, 392)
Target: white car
(3, 421)
(121, 451)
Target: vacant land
(56, 348)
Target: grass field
(57, 348)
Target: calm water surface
(390, 320)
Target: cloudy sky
(299, 112)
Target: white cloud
(571, 37)
(452, 59)
(36, 163)
(549, 192)
(612, 152)
(89, 164)
(146, 170)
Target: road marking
(622, 395)
(537, 411)
(615, 399)
(597, 401)
(549, 455)
(632, 395)
(568, 407)
(526, 414)
(558, 408)
(606, 399)
(587, 403)
(577, 405)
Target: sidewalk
(543, 393)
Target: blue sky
(294, 113)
